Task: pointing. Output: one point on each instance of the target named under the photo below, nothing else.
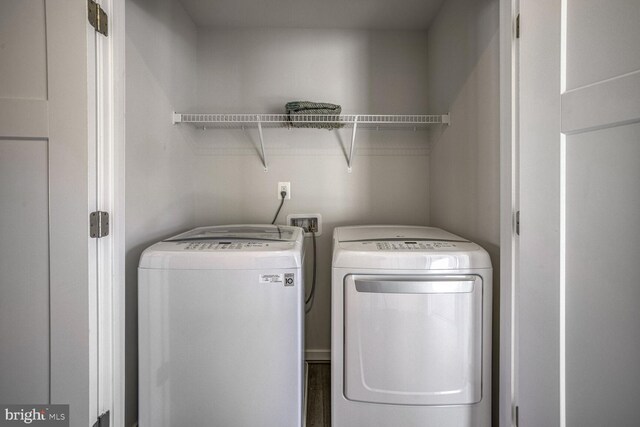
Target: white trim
(104, 203)
(107, 303)
(117, 204)
(509, 9)
(101, 304)
(563, 257)
(317, 355)
(563, 223)
(92, 205)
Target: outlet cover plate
(286, 186)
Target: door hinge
(103, 420)
(518, 223)
(98, 18)
(518, 26)
(98, 224)
(517, 416)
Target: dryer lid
(391, 233)
(405, 248)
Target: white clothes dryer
(411, 328)
(221, 328)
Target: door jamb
(116, 96)
(111, 250)
(509, 10)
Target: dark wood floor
(319, 395)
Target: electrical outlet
(306, 221)
(284, 186)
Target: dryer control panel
(403, 245)
(407, 246)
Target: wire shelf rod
(289, 120)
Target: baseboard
(317, 355)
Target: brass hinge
(98, 18)
(103, 420)
(98, 224)
(518, 223)
(518, 26)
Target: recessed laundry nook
(373, 119)
(337, 213)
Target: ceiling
(356, 14)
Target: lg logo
(288, 279)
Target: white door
(577, 297)
(48, 269)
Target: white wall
(259, 70)
(160, 64)
(465, 159)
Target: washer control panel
(408, 245)
(226, 245)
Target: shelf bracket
(446, 119)
(264, 156)
(353, 143)
(177, 118)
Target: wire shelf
(328, 121)
(382, 121)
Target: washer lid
(276, 233)
(405, 248)
(229, 247)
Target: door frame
(116, 197)
(109, 338)
(509, 10)
(509, 206)
(117, 96)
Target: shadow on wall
(465, 158)
(161, 43)
(164, 34)
(398, 69)
(463, 31)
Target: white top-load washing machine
(411, 329)
(221, 328)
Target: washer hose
(311, 297)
